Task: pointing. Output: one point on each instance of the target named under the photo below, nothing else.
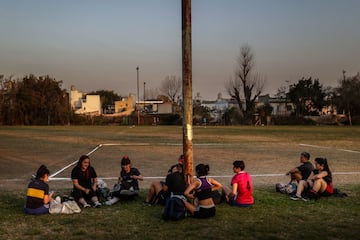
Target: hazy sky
(97, 45)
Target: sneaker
(295, 197)
(146, 204)
(86, 205)
(97, 205)
(112, 201)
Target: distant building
(125, 105)
(82, 103)
(281, 106)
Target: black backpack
(174, 208)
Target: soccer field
(268, 152)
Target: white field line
(316, 146)
(162, 177)
(52, 176)
(213, 176)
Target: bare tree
(246, 86)
(171, 87)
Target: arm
(138, 177)
(48, 197)
(321, 175)
(94, 186)
(79, 187)
(311, 176)
(216, 184)
(294, 170)
(234, 190)
(188, 192)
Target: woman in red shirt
(241, 193)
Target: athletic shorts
(205, 212)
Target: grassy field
(268, 153)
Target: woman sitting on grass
(38, 196)
(241, 193)
(200, 190)
(319, 183)
(84, 180)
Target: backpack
(174, 208)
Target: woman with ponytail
(319, 183)
(200, 191)
(38, 196)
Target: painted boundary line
(53, 178)
(124, 144)
(316, 146)
(159, 177)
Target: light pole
(137, 107)
(144, 93)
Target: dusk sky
(97, 45)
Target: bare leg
(226, 191)
(300, 188)
(189, 207)
(319, 185)
(154, 189)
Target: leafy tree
(246, 86)
(34, 100)
(347, 96)
(307, 96)
(201, 112)
(107, 98)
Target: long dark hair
(78, 165)
(202, 169)
(41, 172)
(81, 159)
(323, 162)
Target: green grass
(273, 216)
(272, 149)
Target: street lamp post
(144, 93)
(137, 106)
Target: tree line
(41, 100)
(308, 96)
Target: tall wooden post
(138, 98)
(187, 88)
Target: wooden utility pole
(187, 88)
(138, 98)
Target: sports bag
(174, 208)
